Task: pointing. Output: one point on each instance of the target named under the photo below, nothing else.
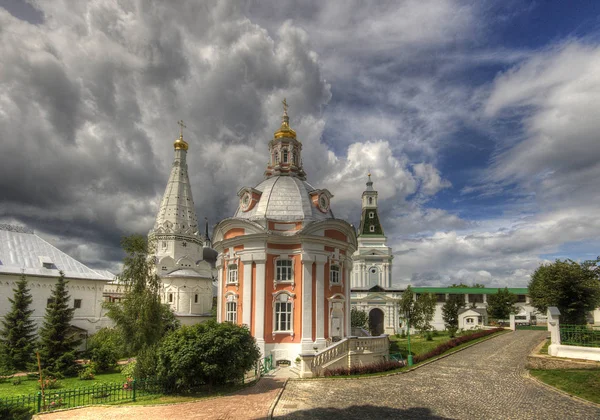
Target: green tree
(58, 343)
(450, 312)
(358, 318)
(572, 287)
(105, 348)
(17, 336)
(419, 312)
(502, 304)
(209, 353)
(140, 316)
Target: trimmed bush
(205, 354)
(382, 366)
(457, 341)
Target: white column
(306, 341)
(259, 316)
(220, 288)
(320, 302)
(347, 303)
(247, 290)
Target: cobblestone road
(485, 381)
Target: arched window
(370, 200)
(371, 215)
(232, 273)
(276, 157)
(283, 319)
(231, 308)
(371, 228)
(285, 156)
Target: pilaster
(259, 318)
(321, 319)
(247, 289)
(306, 341)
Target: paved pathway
(485, 381)
(251, 403)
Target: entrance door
(376, 322)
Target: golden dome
(180, 144)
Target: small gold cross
(181, 127)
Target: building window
(49, 302)
(521, 298)
(285, 156)
(440, 297)
(170, 297)
(370, 200)
(232, 273)
(164, 244)
(371, 215)
(469, 320)
(196, 298)
(371, 228)
(334, 274)
(283, 313)
(77, 303)
(164, 268)
(475, 298)
(276, 158)
(284, 270)
(231, 312)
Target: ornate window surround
(231, 301)
(283, 296)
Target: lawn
(30, 386)
(418, 343)
(584, 383)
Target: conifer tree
(57, 342)
(17, 336)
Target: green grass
(583, 383)
(30, 386)
(418, 344)
(544, 349)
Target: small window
(371, 215)
(285, 156)
(334, 274)
(232, 273)
(49, 302)
(284, 270)
(231, 312)
(164, 268)
(49, 265)
(196, 298)
(371, 228)
(170, 297)
(77, 303)
(469, 320)
(475, 298)
(521, 298)
(440, 297)
(164, 244)
(276, 158)
(370, 200)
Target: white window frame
(371, 215)
(284, 270)
(283, 299)
(371, 228)
(232, 273)
(334, 274)
(231, 308)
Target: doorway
(376, 322)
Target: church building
(184, 260)
(284, 260)
(372, 275)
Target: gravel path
(485, 381)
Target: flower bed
(376, 367)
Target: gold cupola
(285, 130)
(180, 143)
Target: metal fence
(579, 335)
(128, 390)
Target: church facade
(284, 260)
(184, 260)
(372, 290)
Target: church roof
(22, 251)
(284, 198)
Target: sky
(478, 121)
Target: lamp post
(410, 358)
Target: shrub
(428, 337)
(50, 383)
(145, 364)
(381, 366)
(15, 412)
(106, 346)
(88, 373)
(128, 370)
(17, 381)
(457, 341)
(208, 353)
(452, 331)
(403, 334)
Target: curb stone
(276, 400)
